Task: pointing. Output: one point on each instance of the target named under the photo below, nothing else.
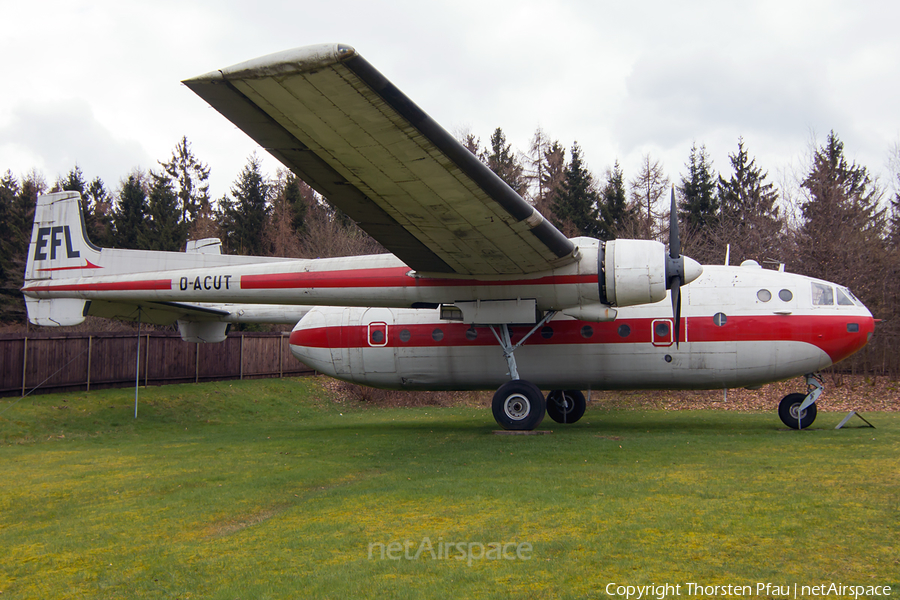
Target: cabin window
(437, 335)
(822, 295)
(786, 295)
(624, 330)
(404, 335)
(852, 327)
(764, 295)
(661, 329)
(471, 334)
(378, 333)
(720, 319)
(547, 332)
(843, 299)
(587, 331)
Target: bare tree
(648, 187)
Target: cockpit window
(843, 299)
(822, 295)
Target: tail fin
(59, 245)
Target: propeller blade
(676, 307)
(674, 236)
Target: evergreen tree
(750, 220)
(17, 237)
(99, 225)
(502, 160)
(841, 237)
(699, 206)
(190, 179)
(130, 214)
(244, 216)
(575, 207)
(552, 174)
(166, 231)
(615, 216)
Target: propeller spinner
(679, 269)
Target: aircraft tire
(518, 405)
(787, 411)
(566, 406)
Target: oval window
(404, 335)
(587, 331)
(471, 334)
(547, 333)
(661, 329)
(720, 319)
(437, 335)
(764, 295)
(377, 337)
(786, 295)
(624, 330)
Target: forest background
(830, 219)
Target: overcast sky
(98, 83)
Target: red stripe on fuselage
(827, 332)
(113, 286)
(388, 278)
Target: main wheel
(566, 406)
(518, 405)
(791, 415)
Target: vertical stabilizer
(59, 246)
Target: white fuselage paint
(730, 337)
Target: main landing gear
(519, 404)
(798, 411)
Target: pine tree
(190, 179)
(9, 190)
(130, 214)
(244, 216)
(699, 207)
(17, 237)
(100, 224)
(166, 231)
(553, 172)
(502, 160)
(575, 208)
(615, 216)
(841, 237)
(750, 220)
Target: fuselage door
(377, 351)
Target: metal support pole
(242, 355)
(24, 364)
(137, 365)
(90, 343)
(197, 362)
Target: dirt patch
(842, 393)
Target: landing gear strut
(798, 411)
(518, 404)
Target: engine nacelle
(633, 272)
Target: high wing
(342, 127)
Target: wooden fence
(78, 361)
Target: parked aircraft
(479, 291)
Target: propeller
(675, 267)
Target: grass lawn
(276, 489)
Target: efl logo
(55, 241)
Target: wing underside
(343, 128)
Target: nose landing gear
(798, 411)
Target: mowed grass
(275, 489)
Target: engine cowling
(634, 272)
